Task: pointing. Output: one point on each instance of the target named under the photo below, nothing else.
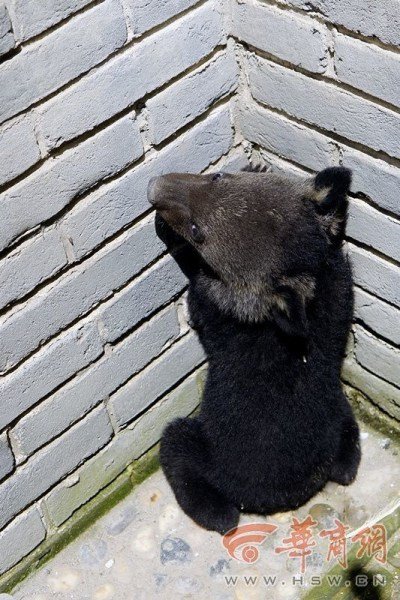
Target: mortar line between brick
(154, 361)
(330, 135)
(12, 53)
(14, 306)
(122, 49)
(104, 399)
(370, 202)
(356, 195)
(6, 431)
(161, 396)
(371, 41)
(196, 371)
(289, 161)
(224, 101)
(319, 16)
(137, 106)
(93, 4)
(65, 476)
(350, 383)
(360, 323)
(42, 496)
(86, 316)
(371, 372)
(231, 150)
(371, 293)
(43, 34)
(377, 253)
(163, 308)
(134, 109)
(323, 77)
(55, 220)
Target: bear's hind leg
(345, 467)
(185, 460)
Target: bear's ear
(289, 309)
(328, 193)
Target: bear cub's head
(264, 237)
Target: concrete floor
(145, 548)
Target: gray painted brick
(325, 105)
(368, 68)
(146, 431)
(371, 176)
(47, 191)
(51, 464)
(374, 19)
(279, 165)
(48, 368)
(374, 178)
(379, 316)
(377, 356)
(32, 263)
(130, 76)
(145, 14)
(89, 479)
(120, 452)
(6, 457)
(375, 274)
(372, 228)
(189, 97)
(235, 161)
(118, 203)
(88, 388)
(7, 41)
(144, 389)
(379, 391)
(20, 538)
(73, 294)
(33, 17)
(19, 149)
(51, 62)
(284, 137)
(288, 35)
(141, 298)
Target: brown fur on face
(264, 236)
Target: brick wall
(320, 86)
(95, 352)
(95, 98)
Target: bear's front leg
(195, 311)
(185, 461)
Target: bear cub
(270, 295)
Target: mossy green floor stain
(85, 517)
(145, 548)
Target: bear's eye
(217, 176)
(195, 233)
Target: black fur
(270, 294)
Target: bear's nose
(152, 190)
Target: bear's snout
(152, 189)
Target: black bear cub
(270, 295)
